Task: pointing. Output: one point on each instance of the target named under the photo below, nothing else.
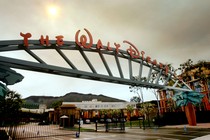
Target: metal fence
(33, 129)
(108, 125)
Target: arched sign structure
(158, 74)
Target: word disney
(82, 42)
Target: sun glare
(52, 10)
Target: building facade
(98, 105)
(70, 112)
(91, 109)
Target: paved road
(130, 133)
(135, 134)
(150, 134)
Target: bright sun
(52, 10)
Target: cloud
(169, 31)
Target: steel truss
(156, 77)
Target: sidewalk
(198, 126)
(185, 127)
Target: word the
(82, 42)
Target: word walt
(82, 42)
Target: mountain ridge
(69, 97)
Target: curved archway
(148, 73)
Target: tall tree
(148, 110)
(10, 106)
(130, 110)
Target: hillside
(69, 97)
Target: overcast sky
(167, 30)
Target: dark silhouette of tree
(57, 104)
(10, 106)
(135, 99)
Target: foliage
(130, 108)
(171, 107)
(30, 106)
(10, 105)
(186, 65)
(57, 104)
(148, 109)
(115, 113)
(185, 97)
(197, 71)
(135, 99)
(103, 112)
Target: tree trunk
(190, 114)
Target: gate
(34, 130)
(110, 125)
(141, 71)
(27, 128)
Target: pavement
(185, 127)
(201, 126)
(198, 126)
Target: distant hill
(69, 97)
